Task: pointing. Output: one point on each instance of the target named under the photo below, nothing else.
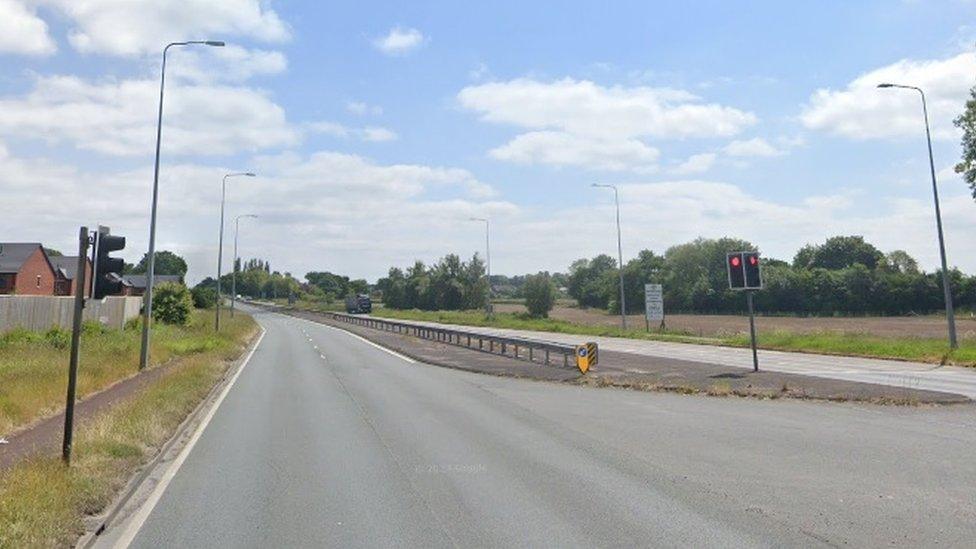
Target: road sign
(587, 355)
(654, 302)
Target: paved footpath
(325, 440)
(896, 373)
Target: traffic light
(737, 275)
(108, 270)
(753, 277)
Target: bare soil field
(723, 325)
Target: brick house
(25, 269)
(65, 268)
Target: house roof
(66, 265)
(139, 281)
(14, 254)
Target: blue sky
(379, 128)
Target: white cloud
(602, 124)
(22, 31)
(360, 108)
(566, 149)
(756, 146)
(399, 41)
(349, 213)
(227, 64)
(370, 133)
(862, 111)
(136, 27)
(696, 163)
(117, 117)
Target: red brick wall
(36, 265)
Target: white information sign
(654, 302)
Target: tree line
(843, 275)
(450, 284)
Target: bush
(540, 295)
(204, 297)
(172, 303)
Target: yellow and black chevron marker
(587, 356)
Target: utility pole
(620, 256)
(488, 309)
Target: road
(896, 373)
(327, 441)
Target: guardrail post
(530, 354)
(565, 360)
(516, 351)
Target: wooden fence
(40, 313)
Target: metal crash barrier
(541, 352)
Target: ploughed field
(725, 325)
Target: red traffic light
(753, 260)
(735, 261)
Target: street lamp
(487, 259)
(151, 271)
(946, 289)
(620, 255)
(233, 283)
(220, 245)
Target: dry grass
(33, 365)
(43, 504)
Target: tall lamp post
(620, 255)
(220, 241)
(233, 280)
(946, 288)
(487, 223)
(151, 270)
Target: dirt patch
(723, 325)
(649, 373)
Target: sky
(377, 130)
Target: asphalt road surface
(896, 373)
(327, 441)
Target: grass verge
(845, 344)
(43, 504)
(33, 365)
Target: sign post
(69, 409)
(745, 274)
(653, 305)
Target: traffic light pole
(69, 409)
(752, 331)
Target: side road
(642, 372)
(893, 373)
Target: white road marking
(140, 517)
(364, 340)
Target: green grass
(33, 365)
(847, 344)
(43, 503)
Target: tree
(51, 252)
(839, 252)
(204, 297)
(967, 122)
(167, 263)
(172, 303)
(899, 261)
(592, 282)
(540, 295)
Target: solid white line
(140, 517)
(364, 340)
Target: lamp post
(151, 270)
(946, 288)
(220, 242)
(487, 223)
(233, 283)
(620, 255)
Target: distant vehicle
(359, 304)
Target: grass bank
(43, 504)
(846, 344)
(33, 365)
